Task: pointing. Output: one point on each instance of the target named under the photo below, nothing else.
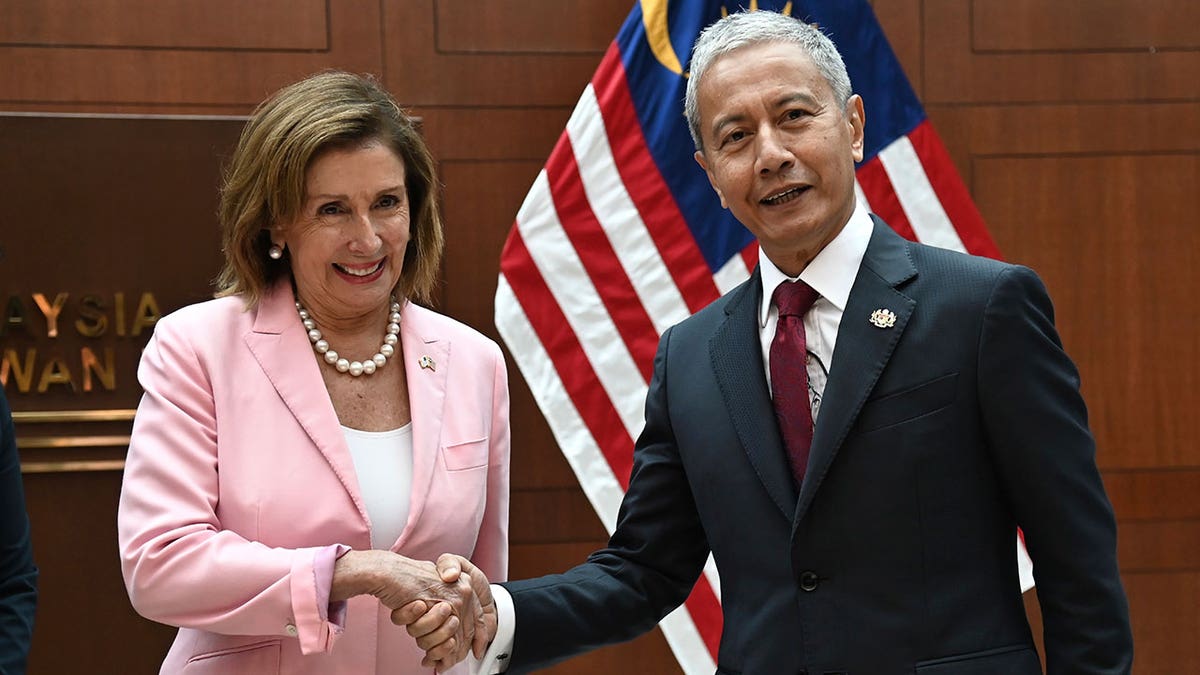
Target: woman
(311, 434)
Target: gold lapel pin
(426, 362)
(883, 318)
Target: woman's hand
(428, 626)
(445, 604)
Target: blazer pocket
(257, 657)
(911, 403)
(466, 455)
(1013, 660)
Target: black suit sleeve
(18, 576)
(648, 568)
(1037, 428)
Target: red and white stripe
(600, 262)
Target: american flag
(621, 237)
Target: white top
(383, 461)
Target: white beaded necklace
(355, 368)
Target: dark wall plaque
(109, 223)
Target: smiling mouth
(360, 271)
(784, 197)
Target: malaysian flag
(621, 237)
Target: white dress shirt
(831, 274)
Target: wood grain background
(1075, 124)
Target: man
(18, 575)
(879, 540)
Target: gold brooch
(883, 318)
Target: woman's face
(347, 244)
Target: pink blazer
(238, 476)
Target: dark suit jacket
(936, 438)
(18, 576)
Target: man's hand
(438, 632)
(429, 623)
(445, 604)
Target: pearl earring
(275, 252)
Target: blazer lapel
(281, 346)
(426, 402)
(862, 350)
(736, 358)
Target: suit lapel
(281, 346)
(862, 350)
(426, 401)
(736, 357)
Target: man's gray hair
(750, 28)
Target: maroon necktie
(789, 375)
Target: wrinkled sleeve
(180, 566)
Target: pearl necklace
(355, 368)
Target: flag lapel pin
(883, 318)
(426, 362)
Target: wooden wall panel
(1159, 546)
(1101, 233)
(1165, 607)
(421, 73)
(553, 515)
(479, 196)
(956, 71)
(1147, 494)
(471, 134)
(166, 24)
(519, 27)
(192, 79)
(1077, 25)
(1065, 129)
(84, 619)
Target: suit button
(290, 629)
(808, 581)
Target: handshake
(447, 607)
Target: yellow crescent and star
(658, 32)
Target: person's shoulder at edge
(205, 311)
(948, 265)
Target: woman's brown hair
(264, 181)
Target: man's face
(779, 150)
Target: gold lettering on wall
(22, 371)
(106, 372)
(147, 314)
(55, 372)
(14, 316)
(92, 321)
(90, 314)
(51, 312)
(50, 358)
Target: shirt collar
(831, 273)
